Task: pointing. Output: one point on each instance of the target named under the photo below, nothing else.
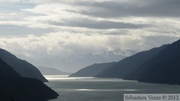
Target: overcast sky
(52, 32)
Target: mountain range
(108, 55)
(129, 64)
(73, 62)
(157, 65)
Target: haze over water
(102, 89)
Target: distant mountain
(13, 87)
(51, 71)
(162, 68)
(129, 64)
(22, 67)
(92, 70)
(74, 62)
(108, 55)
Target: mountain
(92, 70)
(158, 65)
(162, 68)
(51, 71)
(73, 62)
(22, 67)
(129, 64)
(14, 87)
(108, 55)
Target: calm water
(98, 89)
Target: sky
(57, 33)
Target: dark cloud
(142, 8)
(100, 24)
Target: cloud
(65, 50)
(59, 33)
(9, 1)
(128, 8)
(99, 24)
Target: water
(102, 89)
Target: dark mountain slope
(162, 68)
(22, 67)
(7, 71)
(165, 72)
(92, 70)
(13, 87)
(129, 64)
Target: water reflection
(66, 78)
(102, 89)
(99, 90)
